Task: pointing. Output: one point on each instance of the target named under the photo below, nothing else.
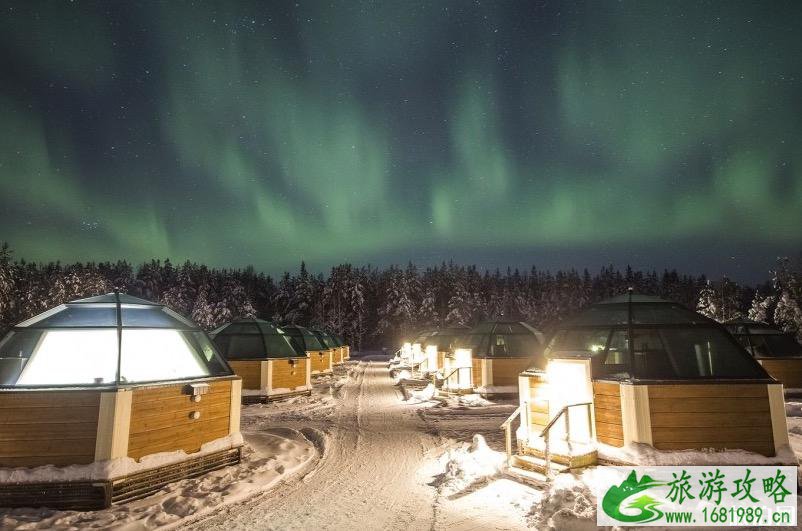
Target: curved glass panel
(278, 346)
(72, 357)
(240, 346)
(150, 355)
(99, 315)
(775, 346)
(151, 317)
(642, 313)
(514, 346)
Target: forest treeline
(373, 307)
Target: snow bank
(114, 468)
(268, 458)
(569, 502)
(468, 465)
(424, 395)
(645, 455)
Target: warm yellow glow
(158, 355)
(462, 358)
(463, 361)
(417, 353)
(406, 352)
(72, 357)
(431, 358)
(569, 383)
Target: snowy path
(370, 472)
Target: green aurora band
(244, 133)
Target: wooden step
(529, 477)
(580, 455)
(536, 464)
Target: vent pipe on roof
(119, 335)
(630, 338)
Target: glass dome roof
(502, 339)
(669, 342)
(253, 339)
(763, 340)
(325, 339)
(443, 338)
(108, 340)
(302, 339)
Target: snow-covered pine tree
(355, 331)
(181, 295)
(707, 302)
(7, 277)
(788, 314)
(759, 310)
(427, 313)
(459, 304)
(202, 310)
(396, 311)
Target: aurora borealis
(662, 134)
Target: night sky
(661, 134)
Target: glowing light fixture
(463, 361)
(431, 358)
(158, 355)
(65, 357)
(569, 383)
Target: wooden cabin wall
(786, 371)
(607, 411)
(441, 359)
(505, 371)
(320, 360)
(711, 416)
(161, 421)
(538, 408)
(337, 357)
(48, 428)
(286, 375)
(250, 372)
(478, 366)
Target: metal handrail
(545, 433)
(507, 427)
(447, 378)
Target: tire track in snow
(368, 475)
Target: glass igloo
(763, 340)
(107, 340)
(253, 339)
(302, 339)
(669, 342)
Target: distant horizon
(758, 274)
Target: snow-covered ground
(362, 452)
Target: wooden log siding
(441, 359)
(607, 410)
(787, 371)
(477, 367)
(505, 371)
(337, 356)
(48, 428)
(250, 372)
(321, 360)
(161, 418)
(538, 409)
(289, 375)
(717, 416)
